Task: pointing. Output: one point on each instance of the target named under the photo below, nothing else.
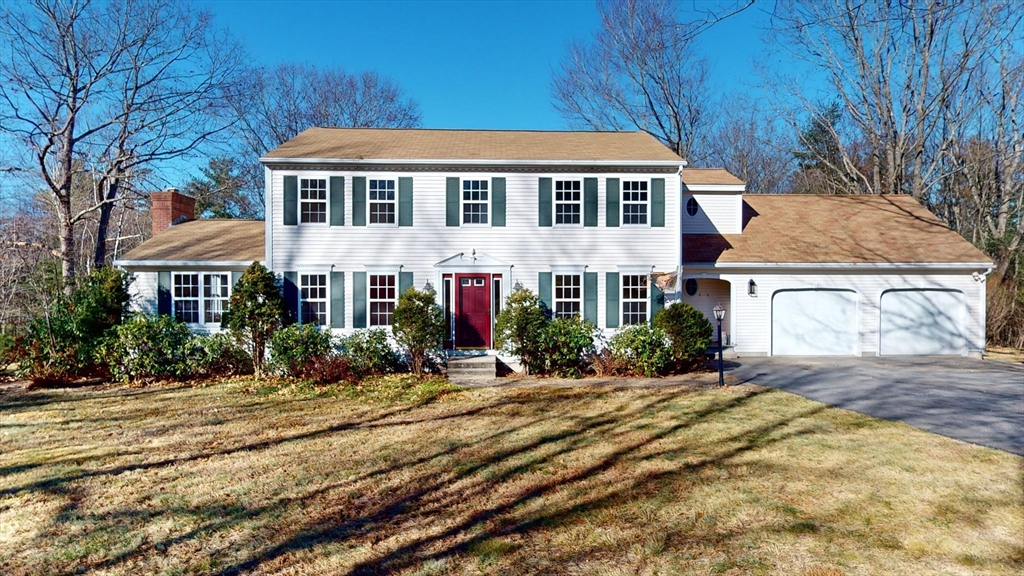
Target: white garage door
(814, 323)
(923, 322)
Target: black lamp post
(719, 316)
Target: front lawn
(227, 479)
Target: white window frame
(304, 298)
(326, 200)
(623, 202)
(200, 298)
(371, 299)
(623, 300)
(555, 202)
(370, 203)
(221, 299)
(558, 298)
(487, 203)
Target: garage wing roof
(834, 229)
(202, 240)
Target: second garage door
(814, 323)
(922, 322)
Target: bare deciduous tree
(748, 143)
(104, 89)
(641, 71)
(274, 104)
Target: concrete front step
(472, 369)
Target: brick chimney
(171, 207)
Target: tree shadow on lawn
(458, 498)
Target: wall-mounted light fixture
(429, 287)
(518, 286)
(752, 288)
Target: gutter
(843, 265)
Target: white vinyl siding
(752, 316)
(718, 213)
(531, 249)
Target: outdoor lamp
(719, 316)
(429, 287)
(518, 286)
(752, 288)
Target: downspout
(679, 229)
(983, 279)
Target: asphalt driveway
(978, 401)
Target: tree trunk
(103, 226)
(67, 244)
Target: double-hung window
(567, 202)
(215, 297)
(382, 201)
(568, 295)
(382, 299)
(474, 202)
(186, 297)
(199, 298)
(634, 298)
(313, 200)
(634, 202)
(313, 291)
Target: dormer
(712, 201)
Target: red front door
(472, 311)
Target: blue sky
(468, 64)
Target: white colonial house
(608, 225)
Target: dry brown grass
(1004, 354)
(670, 480)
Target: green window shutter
(359, 201)
(404, 281)
(291, 295)
(405, 201)
(359, 299)
(544, 202)
(658, 202)
(611, 300)
(337, 201)
(657, 300)
(337, 299)
(590, 297)
(291, 200)
(235, 277)
(590, 201)
(163, 293)
(544, 288)
(498, 201)
(611, 190)
(451, 201)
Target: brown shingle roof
(719, 176)
(834, 229)
(420, 144)
(204, 240)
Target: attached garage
(922, 322)
(814, 323)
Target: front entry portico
(473, 288)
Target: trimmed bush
(519, 329)
(256, 311)
(296, 349)
(370, 352)
(567, 341)
(418, 326)
(688, 330)
(217, 355)
(149, 348)
(641, 349)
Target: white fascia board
(472, 162)
(740, 188)
(183, 263)
(841, 265)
